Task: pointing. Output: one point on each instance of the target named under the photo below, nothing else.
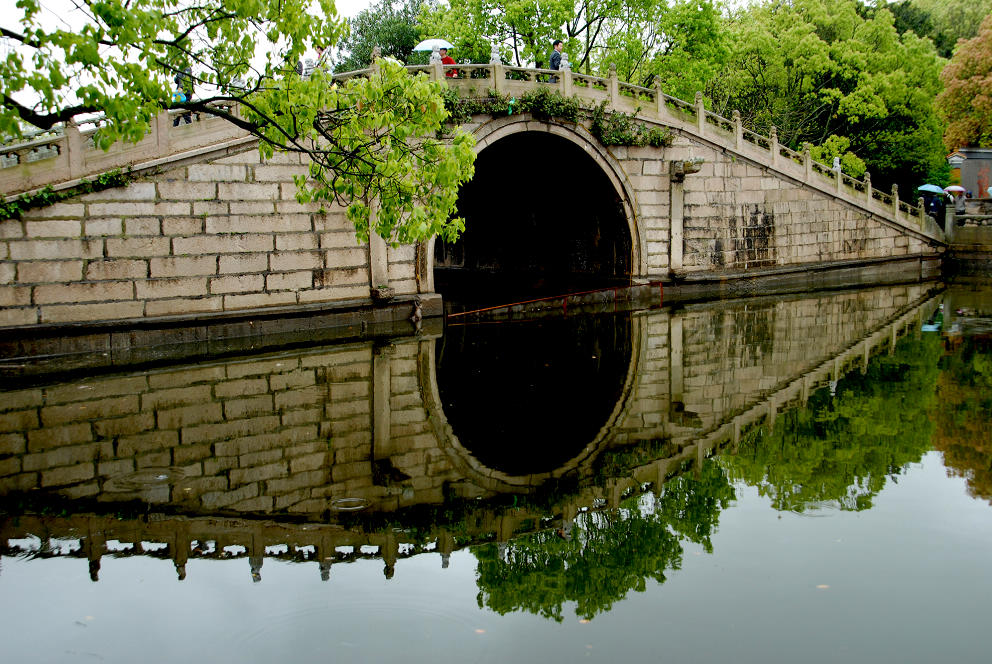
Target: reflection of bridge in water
(261, 456)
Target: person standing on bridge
(555, 65)
(447, 60)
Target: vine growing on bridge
(13, 209)
(609, 127)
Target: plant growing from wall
(13, 209)
(609, 127)
(618, 128)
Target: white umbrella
(954, 187)
(429, 44)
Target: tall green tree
(390, 25)
(822, 68)
(944, 21)
(966, 101)
(371, 139)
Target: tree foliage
(822, 68)
(966, 101)
(390, 26)
(840, 449)
(370, 139)
(944, 21)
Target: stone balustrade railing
(76, 157)
(68, 154)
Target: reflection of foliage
(607, 554)
(617, 461)
(963, 414)
(840, 449)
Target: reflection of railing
(75, 159)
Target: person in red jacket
(447, 60)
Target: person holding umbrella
(933, 201)
(959, 198)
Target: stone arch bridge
(208, 230)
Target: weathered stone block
(248, 407)
(143, 226)
(229, 244)
(116, 269)
(217, 173)
(189, 415)
(182, 266)
(243, 263)
(27, 250)
(137, 247)
(183, 306)
(289, 281)
(58, 228)
(186, 287)
(238, 302)
(68, 475)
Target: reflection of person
(557, 46)
(447, 60)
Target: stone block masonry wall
(277, 433)
(739, 216)
(221, 236)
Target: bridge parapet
(22, 170)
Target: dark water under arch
(541, 218)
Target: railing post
(74, 148)
(700, 114)
(919, 207)
(773, 144)
(566, 76)
(161, 125)
(659, 98)
(868, 186)
(895, 201)
(613, 85)
(499, 77)
(807, 162)
(839, 172)
(738, 130)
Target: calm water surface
(802, 478)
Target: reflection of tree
(839, 449)
(606, 554)
(963, 414)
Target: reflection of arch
(500, 128)
(498, 481)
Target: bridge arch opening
(542, 217)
